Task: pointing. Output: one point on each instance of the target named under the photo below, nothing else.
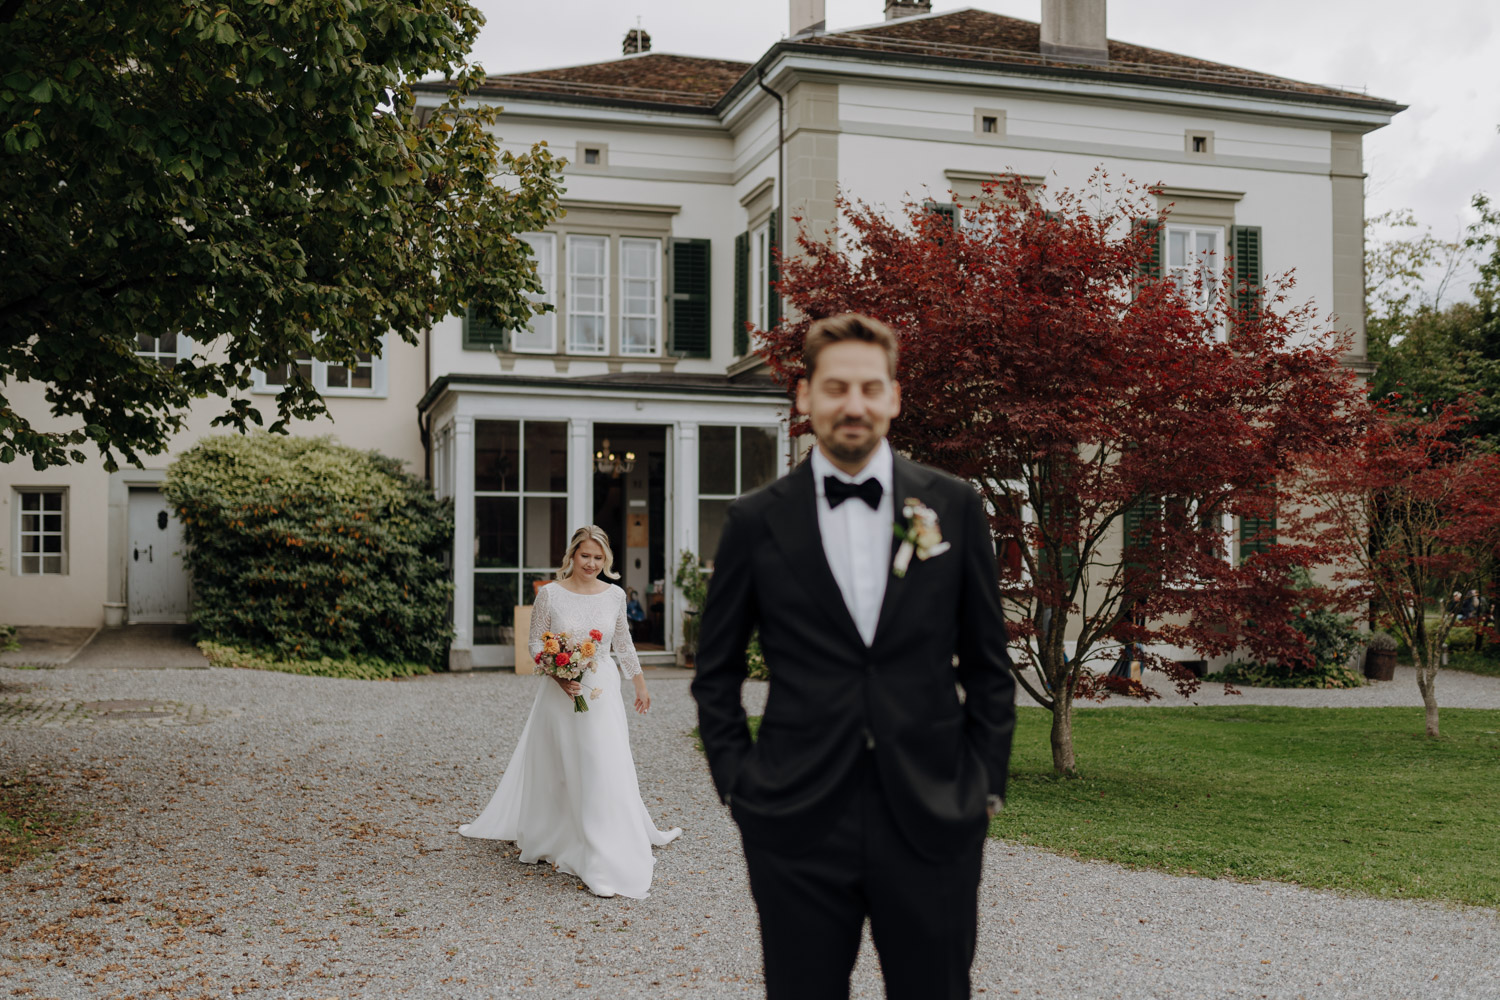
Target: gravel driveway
(267, 835)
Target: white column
(685, 516)
(461, 653)
(580, 473)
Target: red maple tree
(1411, 513)
(1115, 419)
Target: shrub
(8, 640)
(303, 549)
(1381, 642)
(369, 669)
(1277, 675)
(693, 582)
(1332, 641)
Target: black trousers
(813, 904)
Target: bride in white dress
(569, 795)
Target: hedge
(303, 549)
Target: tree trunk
(1062, 736)
(1427, 669)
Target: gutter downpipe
(424, 426)
(781, 220)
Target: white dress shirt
(857, 539)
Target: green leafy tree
(1431, 353)
(252, 174)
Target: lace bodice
(560, 610)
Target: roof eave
(1365, 104)
(554, 97)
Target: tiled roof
(963, 36)
(981, 36)
(649, 78)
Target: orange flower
(587, 649)
(550, 647)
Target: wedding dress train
(569, 795)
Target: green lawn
(1353, 799)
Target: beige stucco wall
(388, 425)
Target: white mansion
(636, 404)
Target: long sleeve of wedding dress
(541, 620)
(630, 664)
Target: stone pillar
(461, 652)
(812, 160)
(580, 473)
(1347, 176)
(684, 522)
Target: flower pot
(114, 614)
(1380, 664)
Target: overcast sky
(1440, 58)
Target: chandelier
(608, 463)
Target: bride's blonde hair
(588, 533)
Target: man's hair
(847, 326)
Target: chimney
(1074, 30)
(636, 40)
(808, 17)
(906, 8)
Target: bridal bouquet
(566, 659)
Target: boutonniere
(920, 535)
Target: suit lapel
(906, 477)
(794, 526)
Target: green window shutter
(1069, 569)
(946, 209)
(741, 294)
(482, 335)
(1137, 521)
(1244, 242)
(1150, 268)
(773, 273)
(688, 313)
(1257, 535)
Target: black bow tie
(837, 491)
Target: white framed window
(365, 376)
(540, 335)
(640, 296)
(161, 349)
(588, 294)
(732, 460)
(520, 518)
(41, 532)
(1195, 255)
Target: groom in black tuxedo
(869, 790)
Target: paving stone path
(300, 841)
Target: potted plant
(1380, 656)
(693, 582)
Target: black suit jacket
(831, 696)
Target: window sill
(271, 390)
(561, 362)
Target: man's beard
(851, 453)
